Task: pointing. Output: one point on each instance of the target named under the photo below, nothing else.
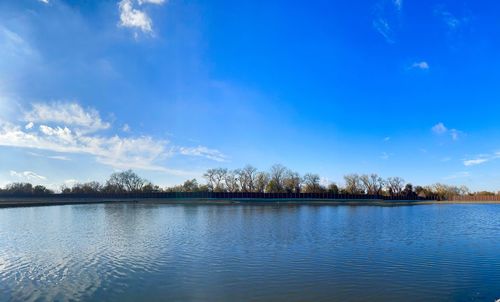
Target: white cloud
(72, 114)
(202, 151)
(441, 129)
(29, 126)
(454, 134)
(27, 176)
(481, 159)
(58, 157)
(477, 161)
(423, 65)
(134, 18)
(44, 1)
(115, 151)
(72, 135)
(126, 128)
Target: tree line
(279, 179)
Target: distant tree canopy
(279, 179)
(19, 188)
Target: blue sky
(170, 88)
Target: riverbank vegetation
(279, 179)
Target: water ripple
(249, 253)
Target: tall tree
(292, 182)
(127, 181)
(246, 177)
(231, 181)
(277, 174)
(215, 179)
(353, 184)
(395, 186)
(333, 188)
(373, 184)
(261, 182)
(312, 183)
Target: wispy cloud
(387, 15)
(133, 17)
(477, 161)
(441, 129)
(56, 157)
(452, 21)
(27, 176)
(457, 175)
(44, 1)
(202, 151)
(422, 65)
(481, 159)
(70, 114)
(382, 27)
(75, 130)
(13, 46)
(398, 4)
(456, 24)
(385, 156)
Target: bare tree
(276, 183)
(353, 184)
(215, 179)
(445, 191)
(261, 182)
(395, 185)
(231, 181)
(241, 178)
(373, 184)
(292, 182)
(210, 177)
(246, 177)
(312, 183)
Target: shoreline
(12, 202)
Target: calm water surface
(250, 253)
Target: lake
(138, 252)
